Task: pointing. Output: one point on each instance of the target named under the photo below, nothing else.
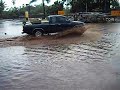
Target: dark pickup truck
(55, 23)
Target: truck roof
(56, 16)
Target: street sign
(26, 14)
(61, 13)
(115, 12)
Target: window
(53, 20)
(61, 19)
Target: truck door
(63, 23)
(54, 26)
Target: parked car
(54, 23)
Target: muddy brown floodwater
(71, 62)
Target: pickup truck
(55, 23)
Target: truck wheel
(38, 33)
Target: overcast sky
(21, 2)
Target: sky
(21, 2)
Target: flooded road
(10, 28)
(72, 62)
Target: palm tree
(44, 7)
(13, 2)
(43, 2)
(2, 7)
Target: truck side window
(61, 19)
(53, 20)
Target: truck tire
(38, 33)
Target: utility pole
(86, 5)
(43, 9)
(105, 7)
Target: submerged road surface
(10, 28)
(73, 62)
